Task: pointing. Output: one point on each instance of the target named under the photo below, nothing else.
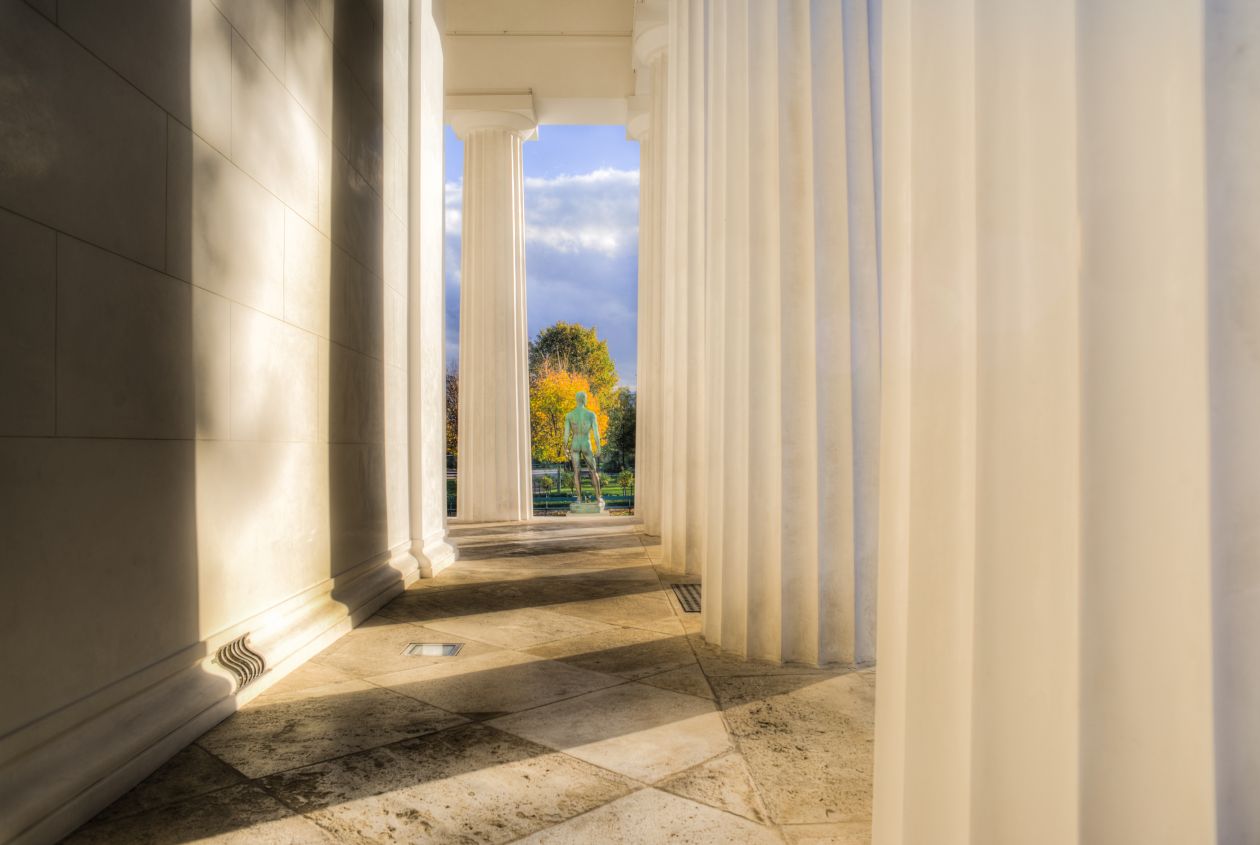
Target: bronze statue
(581, 430)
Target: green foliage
(566, 480)
(625, 480)
(545, 484)
(573, 348)
(619, 438)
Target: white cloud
(581, 238)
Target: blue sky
(581, 235)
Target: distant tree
(621, 430)
(552, 396)
(625, 479)
(546, 484)
(569, 347)
(452, 413)
(566, 480)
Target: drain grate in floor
(688, 596)
(432, 649)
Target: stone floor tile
(723, 782)
(238, 815)
(469, 784)
(808, 741)
(520, 628)
(838, 833)
(640, 731)
(652, 817)
(277, 732)
(309, 674)
(717, 664)
(377, 648)
(494, 684)
(635, 608)
(191, 772)
(625, 652)
(689, 680)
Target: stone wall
(203, 352)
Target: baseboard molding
(59, 772)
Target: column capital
(651, 32)
(638, 117)
(507, 112)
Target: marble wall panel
(261, 23)
(212, 356)
(81, 149)
(357, 306)
(28, 296)
(178, 53)
(356, 397)
(395, 404)
(395, 251)
(124, 347)
(356, 215)
(397, 493)
(104, 530)
(274, 371)
(308, 63)
(273, 139)
(227, 231)
(357, 33)
(357, 503)
(358, 128)
(306, 275)
(262, 526)
(395, 324)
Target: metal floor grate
(432, 649)
(688, 596)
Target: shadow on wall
(100, 381)
(97, 381)
(357, 446)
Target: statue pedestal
(586, 509)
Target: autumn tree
(554, 394)
(452, 413)
(573, 348)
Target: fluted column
(426, 313)
(494, 443)
(791, 334)
(650, 45)
(1069, 496)
(683, 291)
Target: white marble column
(683, 289)
(1069, 497)
(650, 43)
(791, 334)
(426, 312)
(494, 443)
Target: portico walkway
(583, 707)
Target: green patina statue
(581, 430)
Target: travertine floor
(583, 708)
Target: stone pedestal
(586, 509)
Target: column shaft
(426, 312)
(1049, 536)
(494, 443)
(790, 334)
(682, 489)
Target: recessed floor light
(432, 649)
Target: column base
(434, 557)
